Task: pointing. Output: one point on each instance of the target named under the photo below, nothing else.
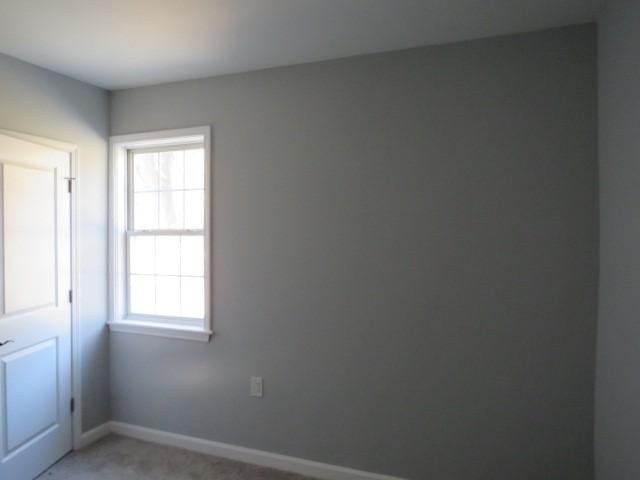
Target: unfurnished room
(319, 240)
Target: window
(160, 236)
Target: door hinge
(70, 183)
(73, 405)
(70, 296)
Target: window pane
(142, 254)
(142, 294)
(192, 256)
(145, 211)
(171, 170)
(166, 272)
(168, 296)
(145, 172)
(194, 210)
(194, 168)
(171, 210)
(192, 297)
(168, 255)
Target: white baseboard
(92, 436)
(309, 468)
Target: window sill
(182, 332)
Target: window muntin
(165, 234)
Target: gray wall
(405, 248)
(40, 102)
(618, 372)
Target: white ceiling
(123, 43)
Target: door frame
(76, 350)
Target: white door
(35, 314)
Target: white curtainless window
(166, 232)
(160, 238)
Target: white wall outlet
(255, 389)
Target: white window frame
(119, 204)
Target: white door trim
(76, 350)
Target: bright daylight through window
(159, 239)
(166, 232)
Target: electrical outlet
(255, 389)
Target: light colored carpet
(120, 458)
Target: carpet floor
(120, 458)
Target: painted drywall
(618, 367)
(166, 40)
(405, 249)
(39, 102)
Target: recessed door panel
(29, 237)
(31, 389)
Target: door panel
(30, 383)
(29, 240)
(35, 368)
